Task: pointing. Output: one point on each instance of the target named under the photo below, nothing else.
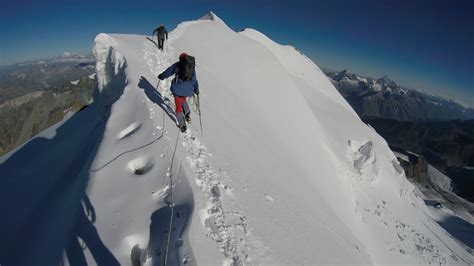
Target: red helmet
(182, 55)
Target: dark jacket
(179, 87)
(161, 32)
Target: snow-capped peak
(385, 81)
(344, 74)
(211, 16)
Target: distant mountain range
(441, 130)
(35, 95)
(25, 116)
(22, 78)
(384, 98)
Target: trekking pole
(171, 203)
(198, 105)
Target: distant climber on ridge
(161, 33)
(184, 85)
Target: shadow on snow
(45, 208)
(155, 96)
(460, 229)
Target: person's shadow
(179, 249)
(458, 228)
(85, 230)
(153, 41)
(155, 96)
(158, 250)
(43, 183)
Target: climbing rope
(171, 201)
(170, 228)
(125, 152)
(135, 149)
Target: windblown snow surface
(285, 172)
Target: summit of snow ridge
(211, 16)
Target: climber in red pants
(184, 85)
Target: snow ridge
(295, 179)
(213, 217)
(230, 230)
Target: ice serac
(285, 173)
(110, 65)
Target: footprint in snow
(130, 130)
(140, 166)
(268, 198)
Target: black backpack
(161, 31)
(186, 67)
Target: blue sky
(424, 44)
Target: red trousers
(179, 101)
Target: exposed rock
(416, 168)
(25, 117)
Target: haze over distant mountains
(37, 94)
(384, 98)
(22, 78)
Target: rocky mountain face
(384, 98)
(416, 169)
(25, 116)
(35, 95)
(447, 144)
(441, 131)
(20, 79)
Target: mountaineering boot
(181, 121)
(188, 117)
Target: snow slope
(284, 172)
